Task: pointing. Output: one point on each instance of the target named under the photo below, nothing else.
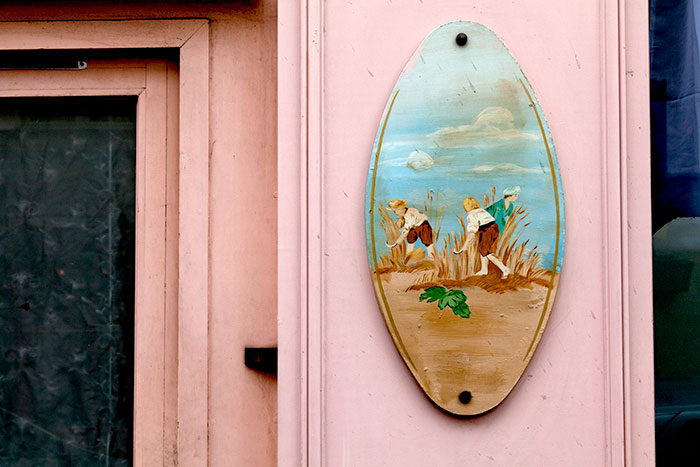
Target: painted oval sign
(465, 218)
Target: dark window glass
(675, 141)
(67, 172)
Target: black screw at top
(461, 39)
(465, 397)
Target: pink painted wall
(353, 401)
(242, 212)
(373, 410)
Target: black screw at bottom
(465, 397)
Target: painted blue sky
(460, 123)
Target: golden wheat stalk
(524, 262)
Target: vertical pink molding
(193, 298)
(300, 233)
(610, 205)
(149, 329)
(315, 234)
(637, 287)
(630, 385)
(292, 389)
(170, 384)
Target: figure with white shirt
(414, 225)
(483, 225)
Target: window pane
(67, 172)
(675, 120)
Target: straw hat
(397, 204)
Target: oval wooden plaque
(465, 218)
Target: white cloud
(492, 125)
(419, 160)
(512, 168)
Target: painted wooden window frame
(151, 82)
(625, 128)
(191, 38)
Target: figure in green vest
(503, 208)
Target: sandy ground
(484, 354)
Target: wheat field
(452, 270)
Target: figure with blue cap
(503, 208)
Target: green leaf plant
(455, 299)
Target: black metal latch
(261, 359)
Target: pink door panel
(346, 397)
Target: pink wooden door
(346, 397)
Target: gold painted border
(556, 203)
(380, 287)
